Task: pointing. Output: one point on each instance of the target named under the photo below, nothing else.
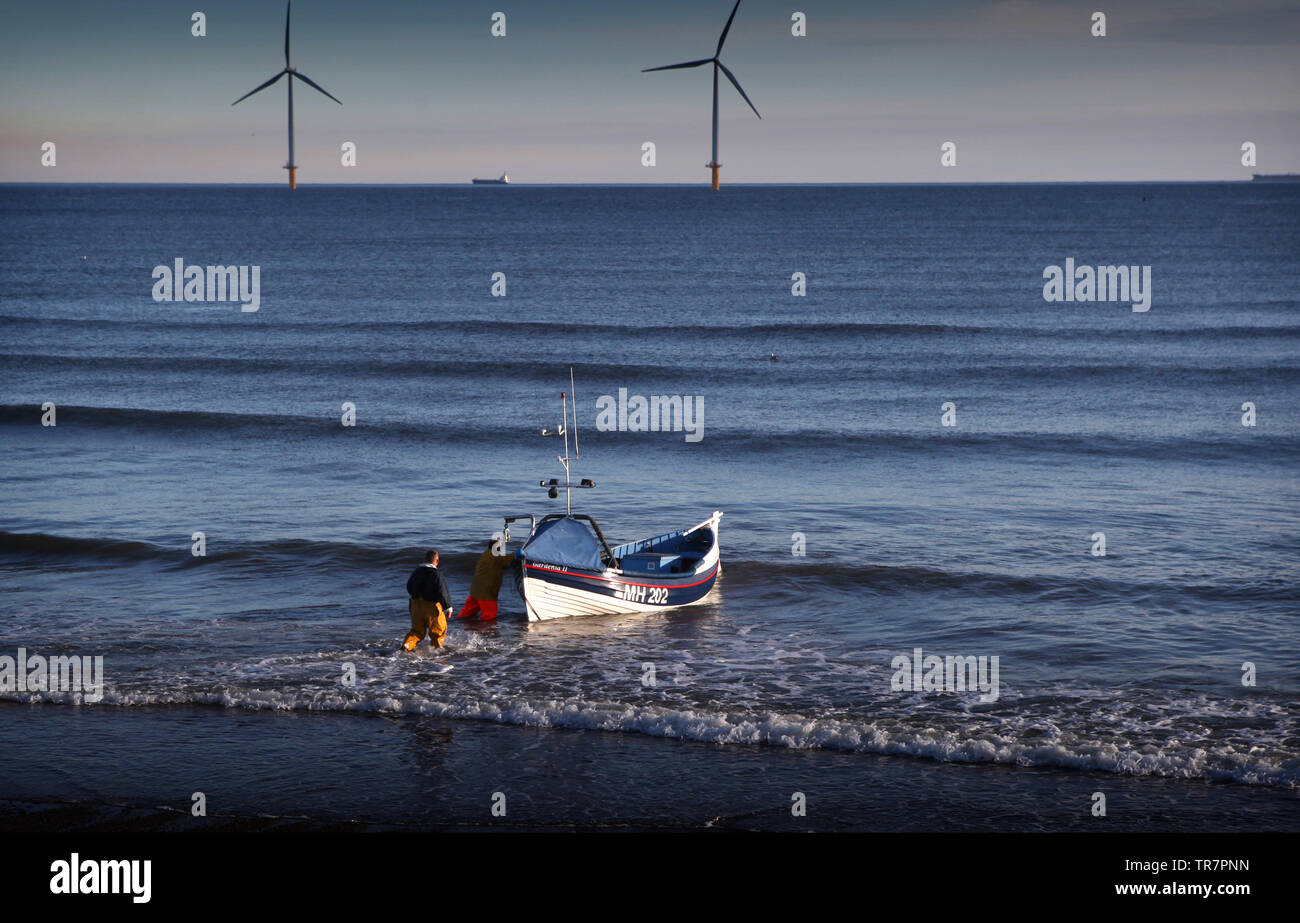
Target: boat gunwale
(616, 573)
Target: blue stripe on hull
(682, 591)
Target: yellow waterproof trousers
(426, 617)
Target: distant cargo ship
(1265, 178)
(504, 180)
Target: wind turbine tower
(717, 66)
(292, 72)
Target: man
(430, 603)
(487, 583)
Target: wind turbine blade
(726, 28)
(287, 10)
(668, 67)
(311, 83)
(262, 87)
(736, 84)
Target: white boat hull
(551, 592)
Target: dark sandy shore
(136, 770)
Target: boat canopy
(565, 542)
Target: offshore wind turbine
(717, 66)
(292, 72)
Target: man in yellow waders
(488, 573)
(430, 603)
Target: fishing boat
(566, 567)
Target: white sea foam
(1024, 740)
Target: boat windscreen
(566, 542)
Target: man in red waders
(488, 574)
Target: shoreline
(136, 770)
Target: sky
(1022, 87)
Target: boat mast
(564, 428)
(554, 485)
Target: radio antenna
(577, 453)
(554, 486)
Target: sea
(916, 452)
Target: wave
(1222, 445)
(1011, 741)
(565, 328)
(284, 553)
(268, 425)
(810, 372)
(287, 554)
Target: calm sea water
(1072, 419)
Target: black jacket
(426, 583)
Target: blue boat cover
(566, 542)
